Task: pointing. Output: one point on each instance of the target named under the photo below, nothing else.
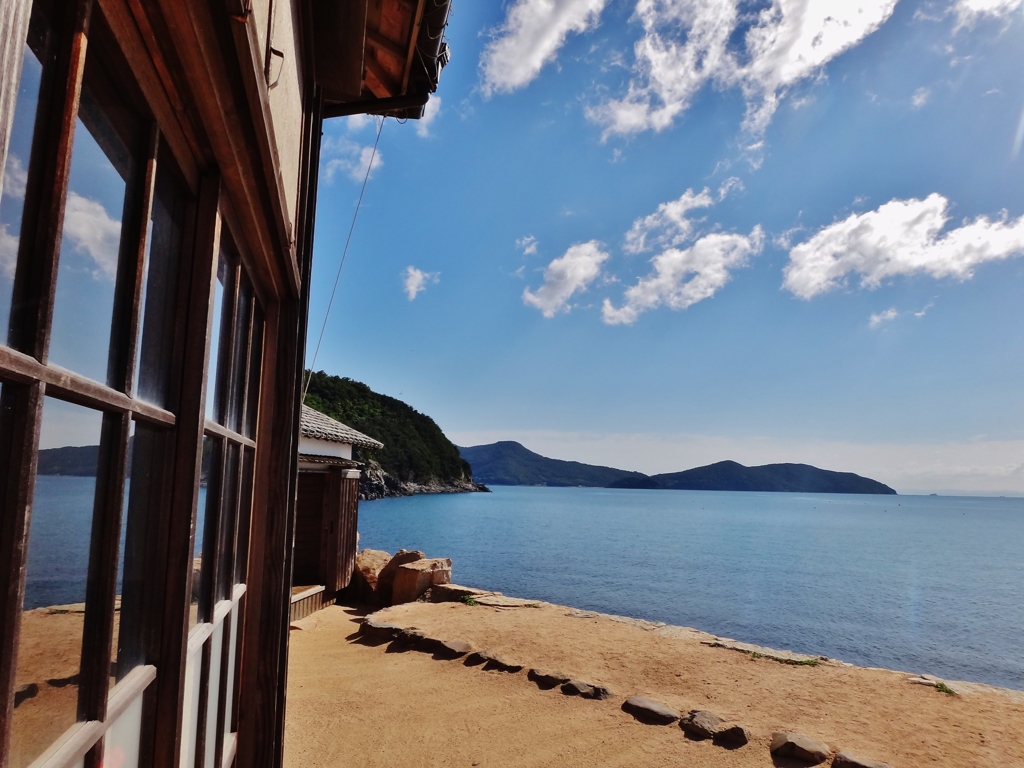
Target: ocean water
(916, 583)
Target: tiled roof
(319, 427)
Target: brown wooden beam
(378, 81)
(382, 43)
(375, 106)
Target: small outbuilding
(327, 510)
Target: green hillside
(509, 463)
(415, 449)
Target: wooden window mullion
(130, 302)
(35, 281)
(14, 19)
(101, 586)
(21, 414)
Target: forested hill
(415, 449)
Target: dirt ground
(352, 704)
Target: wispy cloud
(341, 155)
(15, 178)
(8, 252)
(900, 238)
(920, 98)
(875, 321)
(91, 230)
(970, 12)
(670, 224)
(528, 245)
(687, 45)
(415, 281)
(530, 37)
(567, 275)
(682, 277)
(430, 113)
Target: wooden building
(327, 510)
(156, 220)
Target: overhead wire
(344, 254)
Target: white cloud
(920, 98)
(528, 245)
(681, 278)
(970, 12)
(900, 238)
(356, 123)
(90, 229)
(530, 37)
(883, 317)
(415, 281)
(430, 112)
(15, 178)
(685, 46)
(342, 155)
(668, 225)
(8, 252)
(566, 275)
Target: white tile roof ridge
(320, 427)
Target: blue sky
(663, 233)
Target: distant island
(510, 463)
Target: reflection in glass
(145, 496)
(244, 516)
(206, 531)
(102, 173)
(153, 355)
(214, 392)
(228, 513)
(50, 647)
(15, 172)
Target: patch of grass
(468, 600)
(945, 689)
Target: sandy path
(358, 705)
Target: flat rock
(413, 579)
(453, 593)
(700, 724)
(731, 735)
(374, 628)
(849, 760)
(500, 601)
(796, 746)
(599, 692)
(546, 678)
(411, 636)
(386, 576)
(577, 688)
(478, 657)
(453, 649)
(369, 564)
(649, 711)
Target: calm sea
(916, 583)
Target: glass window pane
(167, 223)
(244, 516)
(206, 531)
(58, 561)
(229, 515)
(100, 187)
(145, 497)
(243, 320)
(15, 173)
(252, 401)
(214, 408)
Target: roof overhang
(378, 56)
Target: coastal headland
(358, 699)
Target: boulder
(701, 724)
(413, 579)
(577, 688)
(731, 735)
(849, 760)
(501, 664)
(649, 711)
(798, 747)
(386, 576)
(599, 692)
(547, 679)
(369, 563)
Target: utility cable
(344, 253)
